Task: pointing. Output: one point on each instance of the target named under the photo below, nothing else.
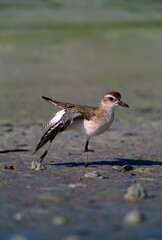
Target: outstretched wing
(62, 120)
(86, 111)
(61, 105)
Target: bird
(87, 120)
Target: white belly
(96, 129)
(90, 128)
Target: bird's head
(112, 99)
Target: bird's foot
(88, 150)
(37, 166)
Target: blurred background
(77, 50)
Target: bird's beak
(123, 104)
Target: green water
(77, 50)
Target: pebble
(136, 192)
(11, 167)
(72, 237)
(47, 197)
(18, 237)
(18, 216)
(59, 220)
(117, 168)
(97, 174)
(37, 166)
(124, 168)
(134, 217)
(93, 174)
(75, 185)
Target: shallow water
(76, 51)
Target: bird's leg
(86, 145)
(86, 149)
(45, 153)
(86, 164)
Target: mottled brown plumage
(86, 111)
(90, 121)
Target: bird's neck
(105, 111)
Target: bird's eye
(111, 99)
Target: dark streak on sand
(14, 150)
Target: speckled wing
(86, 111)
(62, 120)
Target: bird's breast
(95, 126)
(99, 123)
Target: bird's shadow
(115, 162)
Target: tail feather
(50, 100)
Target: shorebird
(90, 121)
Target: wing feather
(63, 122)
(86, 111)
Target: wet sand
(69, 201)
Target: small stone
(135, 192)
(93, 174)
(72, 237)
(117, 168)
(47, 197)
(37, 166)
(18, 237)
(75, 185)
(11, 167)
(127, 168)
(59, 220)
(124, 168)
(134, 217)
(18, 216)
